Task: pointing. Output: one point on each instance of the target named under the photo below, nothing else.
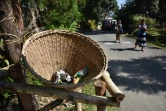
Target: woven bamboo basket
(49, 51)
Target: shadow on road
(144, 74)
(107, 41)
(154, 48)
(97, 32)
(130, 49)
(124, 49)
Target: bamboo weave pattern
(52, 50)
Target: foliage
(50, 13)
(73, 27)
(148, 8)
(154, 35)
(61, 12)
(5, 96)
(33, 80)
(155, 32)
(135, 21)
(92, 24)
(128, 8)
(153, 8)
(142, 7)
(97, 10)
(1, 43)
(55, 14)
(161, 14)
(136, 18)
(151, 23)
(3, 59)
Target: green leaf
(6, 61)
(1, 57)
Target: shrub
(72, 27)
(134, 22)
(5, 96)
(151, 23)
(92, 24)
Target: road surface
(141, 76)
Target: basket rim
(47, 82)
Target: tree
(58, 13)
(153, 8)
(144, 6)
(12, 23)
(161, 15)
(31, 15)
(11, 27)
(97, 9)
(147, 8)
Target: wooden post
(27, 102)
(100, 89)
(78, 106)
(112, 88)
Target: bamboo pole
(112, 88)
(78, 106)
(100, 89)
(58, 93)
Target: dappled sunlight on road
(146, 74)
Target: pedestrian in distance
(119, 31)
(141, 37)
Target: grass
(33, 80)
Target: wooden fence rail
(23, 88)
(58, 93)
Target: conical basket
(49, 51)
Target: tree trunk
(11, 25)
(100, 90)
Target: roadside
(154, 43)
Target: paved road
(140, 75)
